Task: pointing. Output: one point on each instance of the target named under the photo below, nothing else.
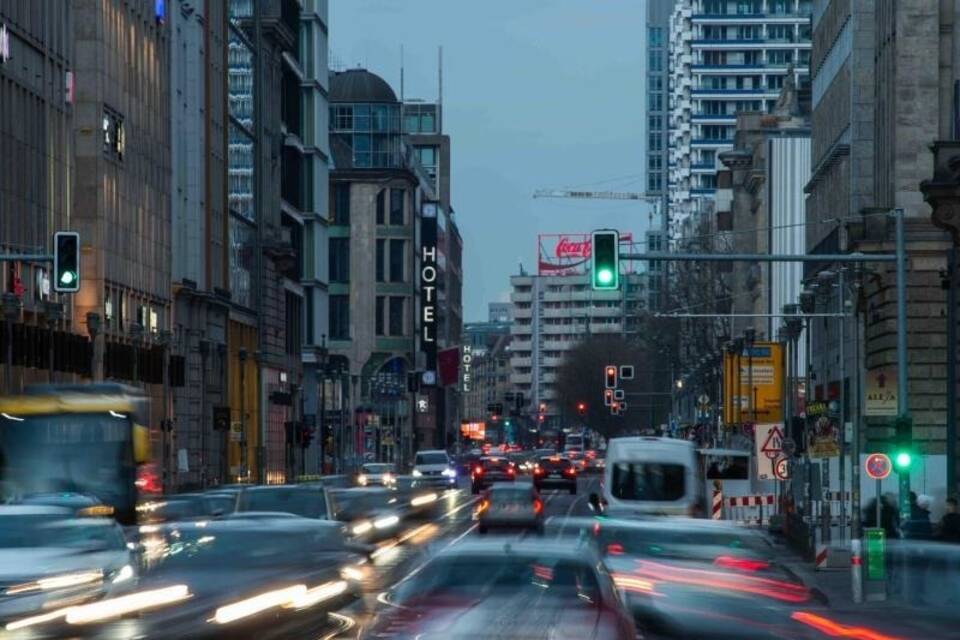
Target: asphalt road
(452, 521)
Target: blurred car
(228, 578)
(578, 459)
(687, 578)
(186, 506)
(555, 472)
(369, 514)
(510, 506)
(49, 556)
(596, 464)
(522, 461)
(648, 475)
(434, 468)
(74, 501)
(487, 589)
(490, 469)
(301, 500)
(377, 473)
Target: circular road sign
(781, 469)
(877, 465)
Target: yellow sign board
(753, 384)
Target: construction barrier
(820, 559)
(716, 511)
(751, 510)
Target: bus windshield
(68, 453)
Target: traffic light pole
(903, 406)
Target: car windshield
(431, 458)
(555, 463)
(648, 481)
(302, 502)
(352, 504)
(272, 547)
(466, 580)
(510, 495)
(51, 530)
(378, 468)
(496, 464)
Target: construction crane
(602, 195)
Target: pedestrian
(919, 526)
(949, 529)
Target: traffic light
(66, 261)
(582, 408)
(903, 443)
(610, 377)
(605, 259)
(608, 397)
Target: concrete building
(378, 189)
(498, 312)
(725, 56)
(550, 315)
(878, 105)
(489, 345)
(37, 185)
(198, 201)
(657, 157)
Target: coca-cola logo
(567, 248)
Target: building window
(381, 206)
(654, 182)
(240, 172)
(381, 260)
(655, 142)
(779, 56)
(396, 206)
(294, 322)
(339, 317)
(655, 36)
(780, 32)
(655, 123)
(341, 203)
(654, 162)
(396, 316)
(655, 62)
(339, 260)
(380, 312)
(655, 101)
(396, 260)
(775, 82)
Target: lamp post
(93, 328)
(203, 346)
(749, 337)
(11, 311)
(242, 357)
(322, 353)
(53, 312)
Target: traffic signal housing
(903, 444)
(605, 260)
(610, 377)
(582, 408)
(66, 261)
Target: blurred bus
(77, 440)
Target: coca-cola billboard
(567, 253)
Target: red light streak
(837, 630)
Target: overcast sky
(536, 93)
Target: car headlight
(361, 528)
(450, 473)
(386, 521)
(388, 478)
(362, 479)
(125, 573)
(416, 473)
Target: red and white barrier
(755, 510)
(716, 511)
(820, 560)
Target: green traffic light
(605, 276)
(68, 278)
(903, 460)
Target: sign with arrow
(881, 392)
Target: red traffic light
(582, 408)
(608, 397)
(542, 417)
(610, 376)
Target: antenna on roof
(440, 89)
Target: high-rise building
(380, 194)
(198, 244)
(725, 56)
(498, 312)
(550, 315)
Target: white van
(651, 476)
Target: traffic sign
(772, 446)
(703, 399)
(781, 469)
(877, 466)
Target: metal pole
(841, 296)
(322, 370)
(951, 371)
(856, 571)
(761, 257)
(903, 406)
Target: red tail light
(570, 471)
(538, 471)
(537, 505)
(148, 479)
(740, 564)
(615, 549)
(478, 471)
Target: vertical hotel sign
(428, 284)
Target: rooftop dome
(359, 85)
